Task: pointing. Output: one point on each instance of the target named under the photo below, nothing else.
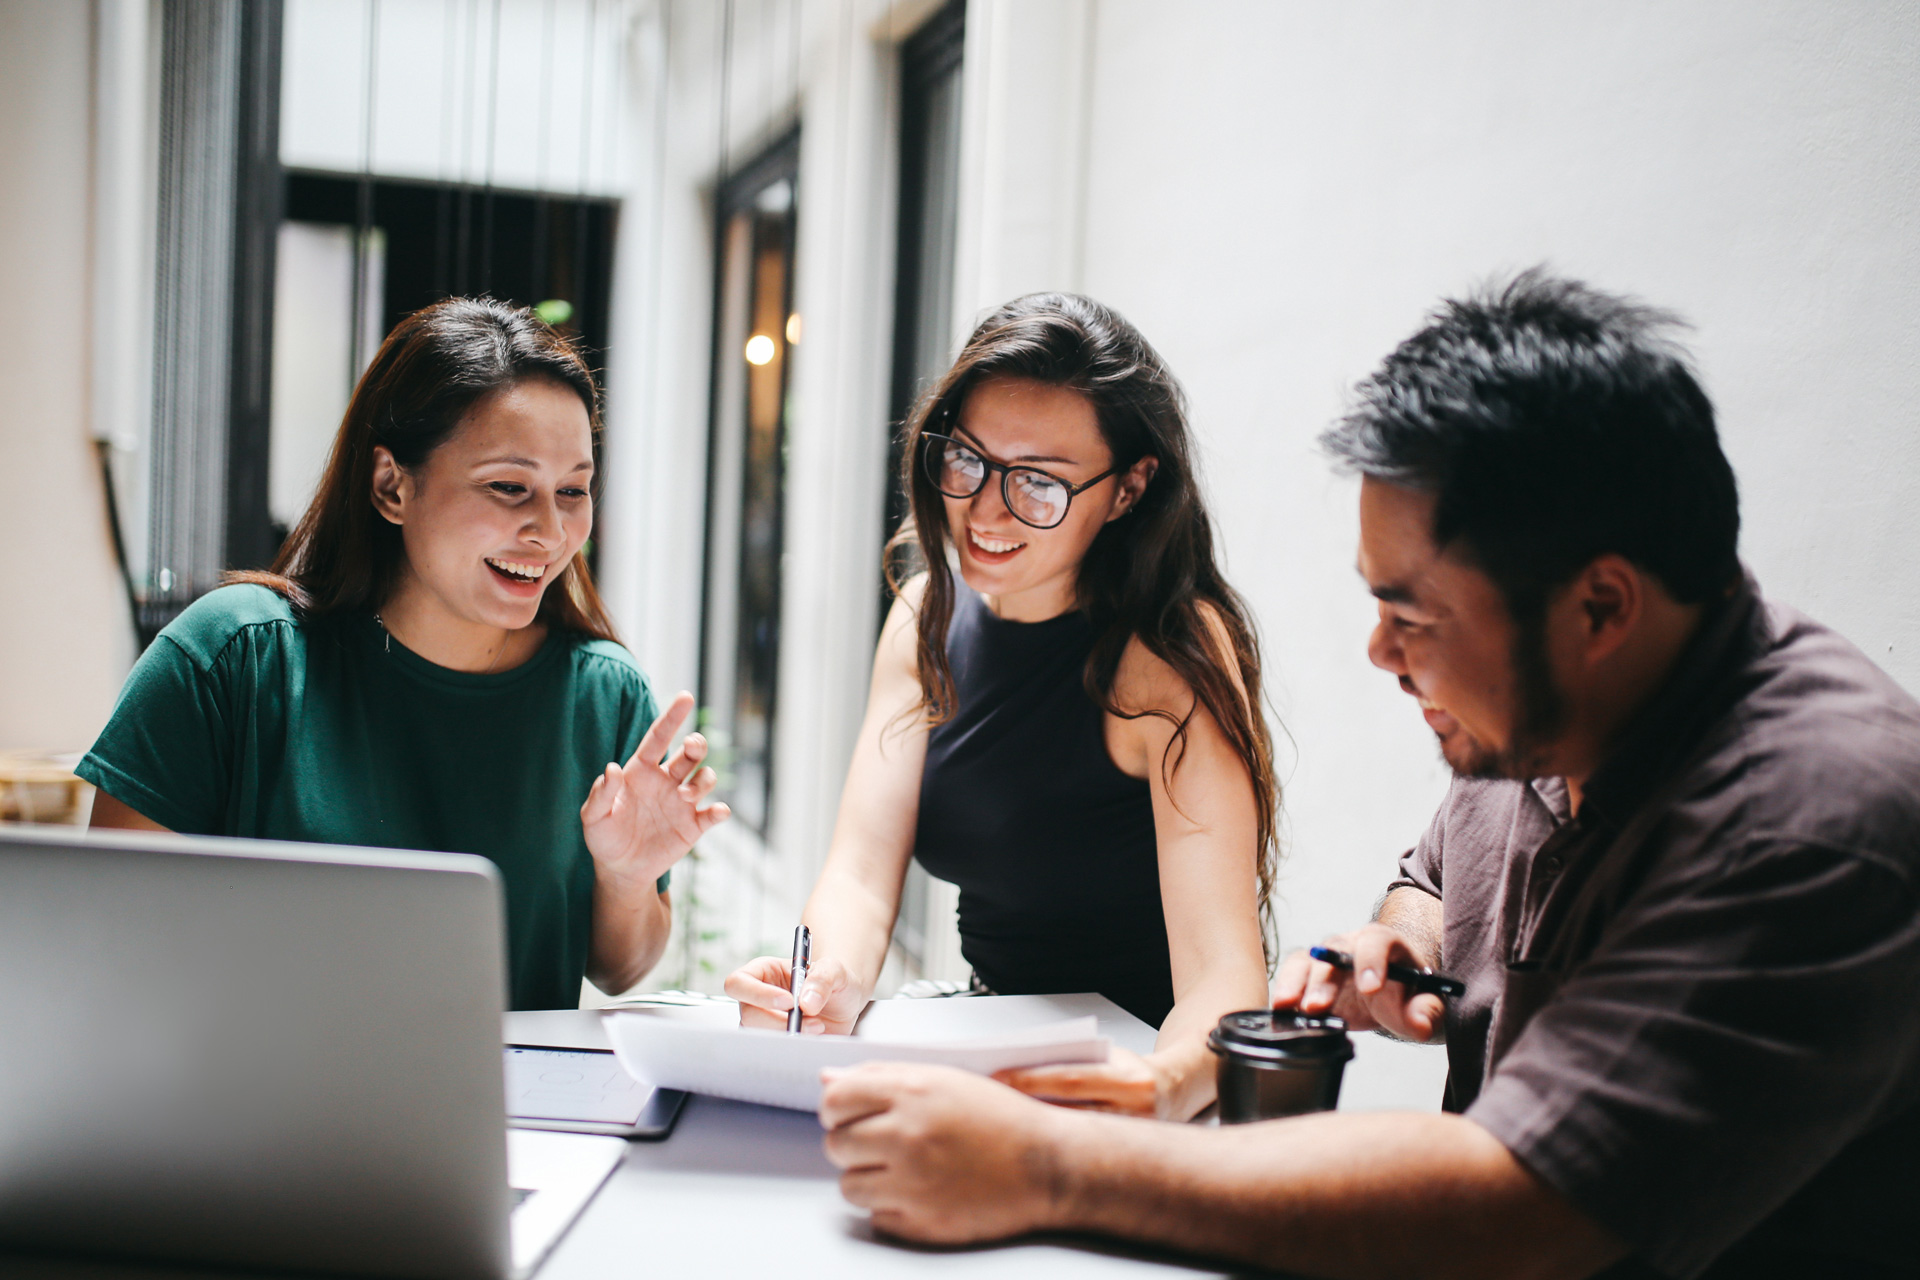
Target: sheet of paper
(569, 1084)
(780, 1070)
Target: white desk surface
(740, 1190)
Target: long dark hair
(432, 369)
(1150, 574)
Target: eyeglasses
(1036, 498)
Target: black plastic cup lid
(1281, 1035)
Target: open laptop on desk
(268, 1055)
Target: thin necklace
(388, 643)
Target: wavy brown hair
(1150, 575)
(435, 366)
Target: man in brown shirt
(1683, 1003)
(1679, 870)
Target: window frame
(931, 59)
(928, 59)
(737, 192)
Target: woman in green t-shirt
(428, 665)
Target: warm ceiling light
(793, 329)
(759, 349)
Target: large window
(199, 506)
(319, 168)
(418, 242)
(754, 326)
(929, 208)
(923, 317)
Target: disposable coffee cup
(1274, 1062)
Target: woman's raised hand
(830, 1002)
(642, 817)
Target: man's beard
(1542, 713)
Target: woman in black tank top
(1071, 734)
(1023, 808)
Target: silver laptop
(264, 1054)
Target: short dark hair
(1554, 423)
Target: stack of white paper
(781, 1070)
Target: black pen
(802, 957)
(1422, 981)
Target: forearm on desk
(1386, 1195)
(1180, 1050)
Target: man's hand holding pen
(1367, 995)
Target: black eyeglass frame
(1006, 470)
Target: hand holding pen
(1373, 978)
(1414, 980)
(769, 988)
(797, 974)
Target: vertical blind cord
(357, 353)
(540, 284)
(464, 231)
(443, 200)
(493, 138)
(580, 224)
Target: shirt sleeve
(1420, 865)
(1718, 1049)
(166, 752)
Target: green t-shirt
(241, 720)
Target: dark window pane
(740, 652)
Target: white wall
(65, 638)
(1311, 179)
(1025, 152)
(1275, 194)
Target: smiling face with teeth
(1484, 688)
(489, 520)
(1029, 574)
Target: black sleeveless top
(1021, 806)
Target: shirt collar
(1666, 729)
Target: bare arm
(1414, 914)
(939, 1155)
(852, 908)
(1356, 1195)
(638, 820)
(630, 928)
(1206, 830)
(110, 814)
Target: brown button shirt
(1695, 1008)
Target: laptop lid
(252, 1053)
